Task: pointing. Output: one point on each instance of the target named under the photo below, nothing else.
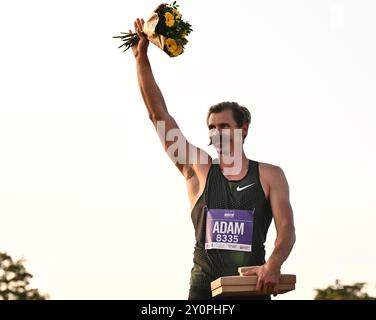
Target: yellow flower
(171, 45)
(169, 19)
(174, 48)
(179, 50)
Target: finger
(137, 27)
(141, 33)
(266, 288)
(142, 23)
(260, 285)
(271, 288)
(275, 290)
(276, 287)
(251, 271)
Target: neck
(233, 166)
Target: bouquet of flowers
(165, 28)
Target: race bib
(229, 229)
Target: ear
(245, 130)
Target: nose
(213, 132)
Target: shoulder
(272, 174)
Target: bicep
(185, 155)
(280, 202)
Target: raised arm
(150, 91)
(185, 156)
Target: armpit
(189, 173)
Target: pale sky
(87, 194)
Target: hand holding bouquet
(165, 28)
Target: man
(233, 199)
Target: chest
(239, 190)
(246, 193)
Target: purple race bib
(229, 229)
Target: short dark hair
(241, 114)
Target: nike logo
(245, 187)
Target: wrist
(142, 57)
(274, 263)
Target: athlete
(233, 199)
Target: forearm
(150, 91)
(282, 247)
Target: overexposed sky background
(87, 194)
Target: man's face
(222, 132)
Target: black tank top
(220, 193)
